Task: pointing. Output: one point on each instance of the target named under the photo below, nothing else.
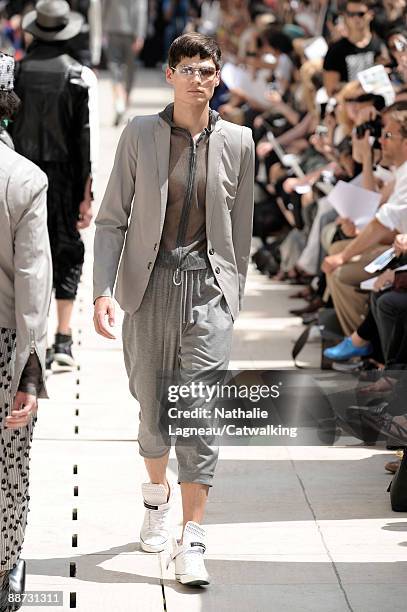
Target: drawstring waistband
(176, 275)
(184, 279)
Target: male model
(25, 289)
(180, 200)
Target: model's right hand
(24, 406)
(104, 307)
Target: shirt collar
(168, 113)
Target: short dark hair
(9, 104)
(191, 44)
(398, 31)
(398, 112)
(279, 41)
(369, 3)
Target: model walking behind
(25, 290)
(52, 130)
(125, 27)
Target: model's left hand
(137, 45)
(24, 406)
(85, 214)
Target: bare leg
(156, 469)
(194, 498)
(64, 309)
(120, 97)
(357, 340)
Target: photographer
(366, 151)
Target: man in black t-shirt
(354, 53)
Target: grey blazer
(25, 258)
(131, 233)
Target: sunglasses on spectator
(356, 13)
(205, 73)
(389, 135)
(398, 45)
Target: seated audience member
(356, 51)
(344, 270)
(280, 46)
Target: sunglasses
(389, 135)
(398, 45)
(205, 73)
(356, 13)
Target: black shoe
(16, 580)
(62, 350)
(13, 582)
(310, 308)
(118, 119)
(309, 317)
(4, 592)
(49, 358)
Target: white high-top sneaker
(189, 556)
(154, 532)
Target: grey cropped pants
(183, 326)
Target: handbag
(398, 487)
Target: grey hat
(6, 72)
(53, 20)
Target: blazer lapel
(162, 136)
(215, 150)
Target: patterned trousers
(15, 447)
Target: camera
(374, 127)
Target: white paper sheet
(317, 49)
(354, 202)
(367, 285)
(376, 80)
(381, 262)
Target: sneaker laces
(157, 518)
